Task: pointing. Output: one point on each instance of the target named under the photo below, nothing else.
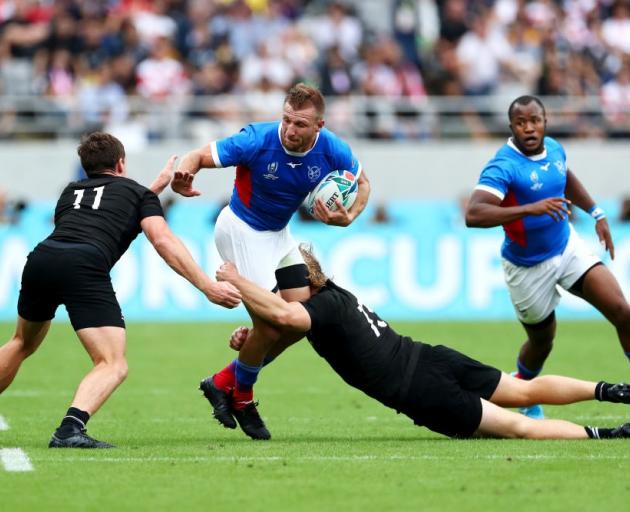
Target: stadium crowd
(93, 60)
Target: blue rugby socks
(246, 377)
(525, 373)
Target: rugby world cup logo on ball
(337, 185)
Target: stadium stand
(392, 70)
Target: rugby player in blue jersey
(277, 165)
(527, 188)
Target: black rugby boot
(250, 421)
(78, 438)
(220, 401)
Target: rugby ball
(337, 185)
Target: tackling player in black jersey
(95, 221)
(435, 386)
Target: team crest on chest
(314, 172)
(272, 169)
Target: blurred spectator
(339, 27)
(152, 21)
(482, 53)
(453, 20)
(624, 212)
(616, 102)
(161, 75)
(61, 75)
(102, 101)
(405, 28)
(191, 51)
(381, 215)
(265, 65)
(10, 211)
(335, 77)
(616, 29)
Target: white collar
(540, 156)
(295, 153)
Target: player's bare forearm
(176, 255)
(484, 210)
(577, 193)
(265, 304)
(485, 215)
(197, 159)
(190, 164)
(362, 197)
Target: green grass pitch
(332, 447)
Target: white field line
(333, 458)
(3, 424)
(14, 459)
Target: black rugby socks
(74, 418)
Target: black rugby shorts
(76, 275)
(446, 391)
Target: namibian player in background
(527, 188)
(277, 165)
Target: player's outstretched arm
(164, 177)
(265, 304)
(190, 165)
(174, 252)
(578, 194)
(484, 210)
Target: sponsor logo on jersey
(314, 173)
(536, 184)
(545, 167)
(293, 165)
(272, 169)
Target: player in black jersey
(435, 386)
(95, 221)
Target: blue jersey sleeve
(495, 178)
(238, 148)
(553, 144)
(345, 159)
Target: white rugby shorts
(256, 254)
(533, 289)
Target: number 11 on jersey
(97, 197)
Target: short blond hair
(300, 95)
(315, 275)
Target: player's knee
(25, 349)
(116, 368)
(620, 314)
(523, 428)
(529, 393)
(120, 369)
(515, 428)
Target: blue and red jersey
(518, 179)
(271, 182)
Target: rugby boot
(622, 431)
(534, 412)
(618, 393)
(220, 402)
(250, 421)
(78, 438)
